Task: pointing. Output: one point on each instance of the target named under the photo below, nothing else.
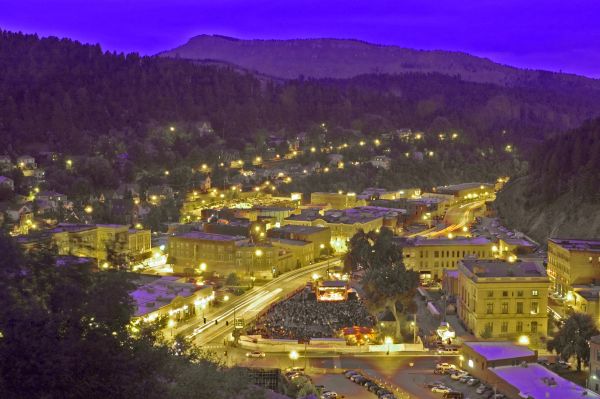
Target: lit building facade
(498, 299)
(572, 262)
(430, 257)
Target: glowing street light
(388, 341)
(258, 252)
(203, 266)
(172, 128)
(88, 209)
(523, 340)
(171, 324)
(69, 163)
(294, 356)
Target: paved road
(250, 304)
(456, 217)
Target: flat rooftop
(499, 350)
(577, 245)
(200, 235)
(461, 186)
(499, 268)
(290, 228)
(298, 243)
(537, 382)
(449, 242)
(161, 292)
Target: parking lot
(463, 385)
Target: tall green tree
(573, 339)
(391, 286)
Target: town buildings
(467, 191)
(107, 243)
(344, 223)
(169, 297)
(594, 375)
(430, 257)
(572, 262)
(499, 299)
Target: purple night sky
(551, 34)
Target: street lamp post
(388, 341)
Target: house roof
(499, 350)
(537, 382)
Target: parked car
(453, 395)
(472, 382)
(256, 354)
(441, 389)
(350, 373)
(465, 378)
(433, 384)
(481, 389)
(458, 375)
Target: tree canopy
(573, 339)
(65, 332)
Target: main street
(219, 321)
(456, 218)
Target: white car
(256, 354)
(440, 389)
(458, 375)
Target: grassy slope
(564, 217)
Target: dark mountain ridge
(346, 58)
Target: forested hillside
(67, 95)
(560, 195)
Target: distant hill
(337, 58)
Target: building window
(505, 307)
(534, 293)
(519, 293)
(534, 308)
(490, 294)
(534, 326)
(519, 307)
(436, 254)
(490, 308)
(504, 327)
(519, 326)
(489, 327)
(504, 293)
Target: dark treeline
(67, 95)
(569, 163)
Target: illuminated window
(534, 308)
(534, 293)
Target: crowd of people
(302, 317)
